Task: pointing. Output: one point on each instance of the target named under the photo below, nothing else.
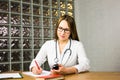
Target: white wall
(98, 23)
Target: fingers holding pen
(35, 70)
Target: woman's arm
(83, 61)
(40, 58)
(64, 70)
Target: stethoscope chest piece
(56, 60)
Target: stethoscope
(66, 51)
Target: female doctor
(65, 50)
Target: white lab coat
(78, 57)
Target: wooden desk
(94, 76)
(84, 76)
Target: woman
(65, 50)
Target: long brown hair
(71, 24)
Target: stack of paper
(10, 75)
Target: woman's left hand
(61, 70)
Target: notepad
(44, 73)
(10, 75)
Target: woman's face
(63, 31)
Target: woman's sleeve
(41, 56)
(83, 62)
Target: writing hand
(35, 70)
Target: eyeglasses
(66, 30)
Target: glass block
(27, 55)
(35, 53)
(36, 10)
(26, 32)
(55, 12)
(37, 43)
(15, 19)
(15, 31)
(4, 18)
(26, 43)
(36, 21)
(4, 5)
(26, 9)
(45, 39)
(36, 1)
(16, 67)
(70, 13)
(37, 32)
(15, 7)
(70, 6)
(16, 0)
(55, 3)
(71, 0)
(4, 56)
(47, 33)
(62, 4)
(26, 66)
(53, 32)
(62, 12)
(4, 30)
(46, 11)
(15, 56)
(46, 2)
(4, 43)
(15, 43)
(46, 22)
(26, 1)
(26, 20)
(4, 67)
(54, 21)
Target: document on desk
(44, 73)
(10, 75)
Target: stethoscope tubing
(70, 51)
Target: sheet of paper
(34, 75)
(10, 75)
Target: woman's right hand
(35, 70)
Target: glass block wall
(24, 26)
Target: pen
(37, 65)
